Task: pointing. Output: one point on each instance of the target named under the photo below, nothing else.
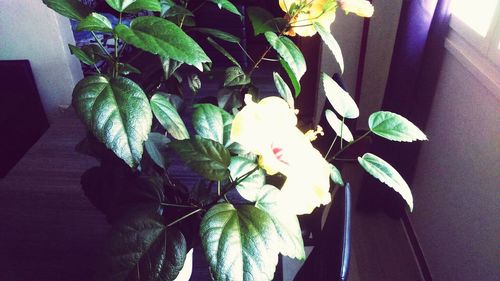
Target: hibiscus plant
(257, 170)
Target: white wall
(30, 30)
(457, 183)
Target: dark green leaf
(229, 98)
(287, 224)
(205, 156)
(81, 55)
(283, 90)
(156, 146)
(289, 52)
(240, 243)
(336, 176)
(162, 37)
(235, 76)
(227, 5)
(118, 113)
(223, 51)
(251, 186)
(176, 10)
(194, 83)
(141, 247)
(218, 34)
(263, 21)
(143, 5)
(72, 9)
(167, 115)
(331, 43)
(126, 69)
(291, 75)
(212, 122)
(380, 169)
(169, 66)
(394, 127)
(95, 22)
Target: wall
(30, 30)
(456, 188)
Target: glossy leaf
(340, 128)
(156, 146)
(293, 78)
(95, 22)
(162, 37)
(141, 247)
(118, 113)
(194, 83)
(250, 187)
(235, 76)
(336, 176)
(72, 9)
(286, 224)
(262, 20)
(283, 90)
(212, 122)
(332, 44)
(167, 115)
(143, 5)
(227, 5)
(119, 5)
(240, 243)
(223, 51)
(383, 171)
(169, 66)
(81, 55)
(205, 156)
(394, 127)
(290, 53)
(218, 34)
(341, 101)
(126, 69)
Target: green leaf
(383, 171)
(331, 43)
(143, 5)
(250, 187)
(119, 5)
(235, 76)
(291, 75)
(283, 90)
(81, 55)
(168, 117)
(212, 122)
(141, 247)
(162, 37)
(156, 146)
(262, 20)
(72, 9)
(169, 66)
(286, 224)
(95, 22)
(205, 156)
(194, 83)
(226, 5)
(336, 176)
(118, 113)
(394, 127)
(176, 10)
(289, 52)
(218, 34)
(340, 128)
(126, 69)
(223, 51)
(240, 243)
(341, 101)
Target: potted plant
(257, 170)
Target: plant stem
(232, 185)
(341, 131)
(184, 217)
(100, 44)
(347, 146)
(331, 146)
(245, 52)
(177, 205)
